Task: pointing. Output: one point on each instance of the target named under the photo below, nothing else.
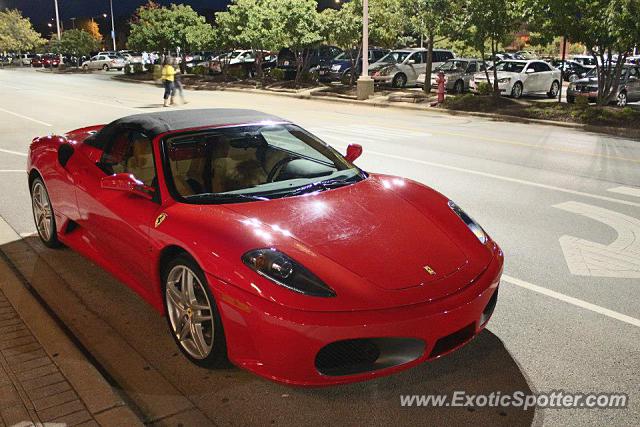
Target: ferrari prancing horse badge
(160, 218)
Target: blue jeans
(169, 89)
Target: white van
(402, 67)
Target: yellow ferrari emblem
(160, 219)
(429, 270)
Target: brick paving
(32, 388)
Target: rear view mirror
(353, 152)
(127, 183)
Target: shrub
(276, 73)
(128, 69)
(582, 102)
(237, 73)
(199, 70)
(137, 68)
(484, 88)
(148, 68)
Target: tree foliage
(91, 27)
(76, 42)
(16, 32)
(166, 28)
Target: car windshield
(256, 162)
(395, 57)
(347, 55)
(510, 67)
(453, 66)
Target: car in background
(131, 57)
(50, 60)
(340, 67)
(524, 55)
(401, 67)
(628, 87)
(24, 59)
(6, 59)
(36, 60)
(517, 78)
(572, 70)
(239, 59)
(635, 60)
(584, 60)
(104, 62)
(316, 58)
(458, 73)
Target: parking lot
(563, 204)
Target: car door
(546, 76)
(118, 222)
(532, 81)
(414, 66)
(633, 91)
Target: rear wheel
(43, 214)
(458, 88)
(192, 315)
(622, 99)
(553, 91)
(399, 80)
(105, 67)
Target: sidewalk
(44, 377)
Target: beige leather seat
(140, 163)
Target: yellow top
(168, 72)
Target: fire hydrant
(440, 80)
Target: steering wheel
(275, 170)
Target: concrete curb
(308, 94)
(100, 399)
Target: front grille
(451, 341)
(360, 355)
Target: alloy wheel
(554, 89)
(190, 313)
(622, 99)
(42, 211)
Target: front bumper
(505, 88)
(283, 344)
(379, 78)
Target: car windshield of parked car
(453, 66)
(510, 67)
(251, 163)
(395, 57)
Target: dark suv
(628, 88)
(316, 57)
(339, 69)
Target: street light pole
(113, 31)
(57, 18)
(364, 88)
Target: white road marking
(628, 191)
(17, 153)
(26, 117)
(573, 301)
(500, 177)
(618, 259)
(12, 171)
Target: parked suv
(318, 56)
(105, 62)
(339, 69)
(628, 88)
(572, 70)
(458, 73)
(402, 67)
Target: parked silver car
(402, 67)
(628, 88)
(105, 62)
(457, 74)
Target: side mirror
(530, 71)
(128, 183)
(411, 61)
(353, 152)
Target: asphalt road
(563, 204)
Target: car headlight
(470, 222)
(505, 80)
(284, 271)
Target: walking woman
(168, 77)
(177, 81)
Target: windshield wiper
(224, 197)
(327, 184)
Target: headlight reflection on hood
(284, 271)
(470, 222)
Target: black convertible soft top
(153, 124)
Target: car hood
(500, 74)
(380, 65)
(373, 245)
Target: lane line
(26, 117)
(627, 191)
(573, 301)
(17, 153)
(505, 178)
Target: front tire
(105, 67)
(516, 90)
(43, 214)
(458, 88)
(622, 99)
(192, 315)
(399, 80)
(553, 91)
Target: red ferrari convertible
(264, 246)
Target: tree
(255, 25)
(75, 42)
(605, 27)
(343, 28)
(487, 21)
(91, 27)
(16, 32)
(167, 28)
(430, 19)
